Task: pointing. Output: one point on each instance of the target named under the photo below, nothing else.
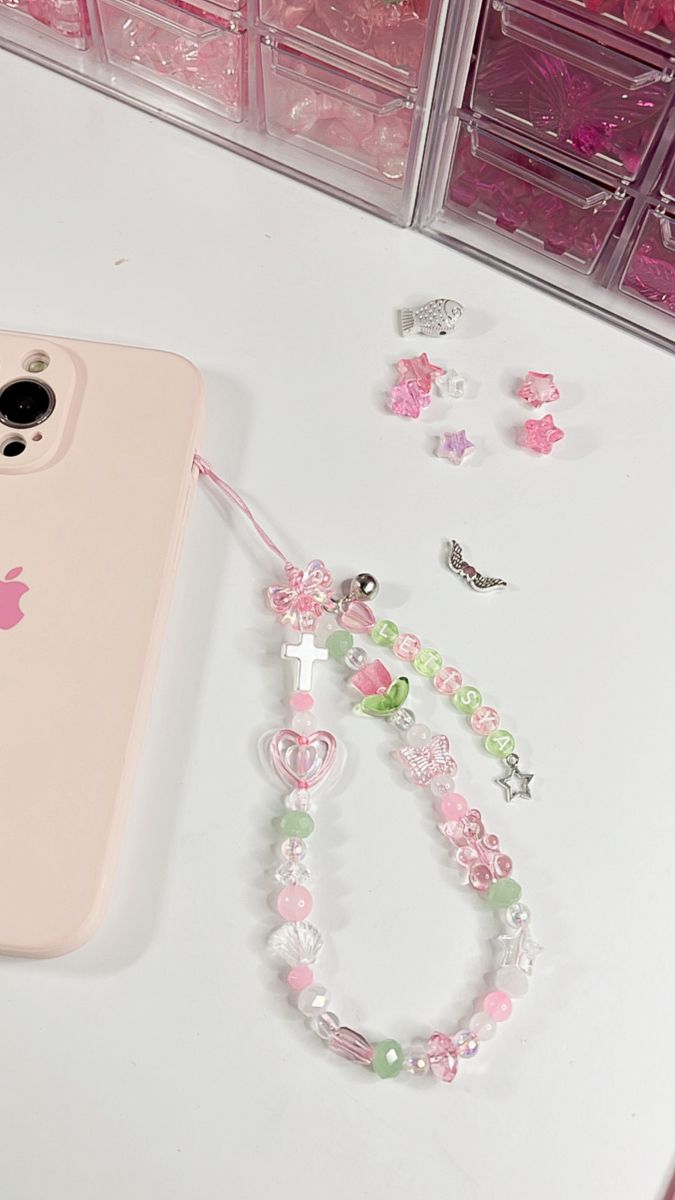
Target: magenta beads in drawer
(650, 271)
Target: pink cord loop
(205, 468)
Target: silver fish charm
(436, 318)
(479, 583)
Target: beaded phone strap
(307, 758)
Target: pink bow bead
(304, 599)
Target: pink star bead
(455, 447)
(408, 399)
(418, 370)
(537, 389)
(541, 435)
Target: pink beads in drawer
(650, 273)
(66, 19)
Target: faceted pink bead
(294, 903)
(352, 1045)
(300, 977)
(453, 807)
(538, 389)
(541, 435)
(358, 618)
(443, 1057)
(408, 399)
(407, 647)
(301, 701)
(484, 720)
(448, 681)
(498, 1006)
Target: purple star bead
(454, 446)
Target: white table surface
(162, 1059)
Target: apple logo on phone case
(11, 591)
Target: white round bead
(355, 658)
(483, 1026)
(441, 786)
(304, 722)
(312, 1001)
(512, 980)
(418, 735)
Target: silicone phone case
(93, 515)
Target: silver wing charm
(479, 583)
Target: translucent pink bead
(352, 1045)
(443, 1057)
(541, 435)
(407, 647)
(297, 108)
(300, 977)
(301, 701)
(453, 807)
(498, 1006)
(448, 681)
(537, 389)
(484, 720)
(294, 903)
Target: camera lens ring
(33, 396)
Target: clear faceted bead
(517, 914)
(402, 719)
(466, 1042)
(356, 658)
(291, 872)
(297, 801)
(313, 1000)
(294, 849)
(416, 1061)
(325, 1025)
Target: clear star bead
(403, 719)
(356, 658)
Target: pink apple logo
(11, 591)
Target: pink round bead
(448, 681)
(407, 647)
(484, 720)
(300, 977)
(301, 701)
(453, 807)
(294, 902)
(498, 1006)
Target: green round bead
(297, 824)
(338, 643)
(503, 893)
(500, 743)
(388, 1059)
(467, 699)
(428, 663)
(385, 633)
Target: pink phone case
(93, 512)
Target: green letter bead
(338, 643)
(428, 663)
(385, 633)
(503, 892)
(500, 743)
(387, 1059)
(297, 824)
(467, 699)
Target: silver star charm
(516, 783)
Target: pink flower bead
(301, 701)
(498, 1006)
(484, 720)
(448, 681)
(294, 902)
(407, 647)
(453, 807)
(300, 977)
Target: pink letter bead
(453, 807)
(407, 647)
(294, 902)
(300, 977)
(484, 720)
(301, 701)
(448, 681)
(498, 1006)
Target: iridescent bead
(512, 980)
(300, 977)
(297, 824)
(517, 914)
(448, 681)
(387, 1059)
(325, 1025)
(291, 872)
(467, 699)
(407, 647)
(339, 643)
(453, 807)
(356, 658)
(498, 1006)
(418, 735)
(484, 720)
(466, 1042)
(503, 893)
(384, 633)
(351, 1045)
(313, 1000)
(293, 849)
(500, 743)
(402, 719)
(304, 722)
(441, 785)
(301, 701)
(483, 1026)
(416, 1061)
(298, 800)
(443, 1057)
(294, 902)
(428, 663)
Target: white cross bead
(306, 653)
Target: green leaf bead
(383, 704)
(500, 743)
(297, 824)
(388, 1059)
(385, 633)
(467, 699)
(338, 643)
(503, 893)
(428, 663)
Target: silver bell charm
(364, 587)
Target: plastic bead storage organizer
(334, 92)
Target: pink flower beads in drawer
(66, 19)
(650, 272)
(199, 57)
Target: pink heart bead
(358, 618)
(302, 761)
